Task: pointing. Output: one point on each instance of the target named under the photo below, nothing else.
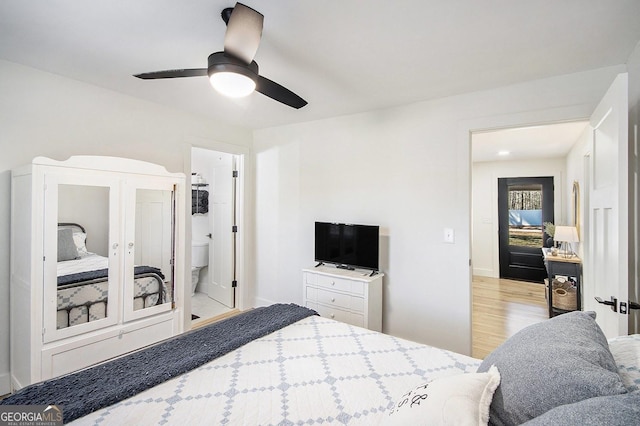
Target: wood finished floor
(500, 308)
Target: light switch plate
(449, 236)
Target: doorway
(524, 205)
(214, 208)
(502, 307)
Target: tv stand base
(347, 267)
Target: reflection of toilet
(199, 259)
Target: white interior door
(153, 233)
(606, 260)
(148, 242)
(222, 247)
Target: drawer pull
(332, 316)
(333, 299)
(333, 283)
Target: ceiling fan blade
(193, 72)
(244, 31)
(279, 93)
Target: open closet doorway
(214, 208)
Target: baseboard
(483, 272)
(259, 301)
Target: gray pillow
(617, 410)
(559, 361)
(67, 249)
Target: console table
(351, 296)
(570, 267)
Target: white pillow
(463, 399)
(80, 239)
(626, 353)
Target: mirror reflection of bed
(84, 269)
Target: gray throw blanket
(89, 390)
(104, 273)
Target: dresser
(350, 296)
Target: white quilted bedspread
(316, 371)
(91, 262)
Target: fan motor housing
(221, 62)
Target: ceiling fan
(233, 72)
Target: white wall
(484, 194)
(408, 170)
(48, 115)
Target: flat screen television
(346, 245)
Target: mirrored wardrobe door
(150, 248)
(81, 254)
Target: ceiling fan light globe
(232, 84)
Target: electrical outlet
(449, 236)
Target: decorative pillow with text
(463, 399)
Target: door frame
(223, 240)
(549, 115)
(244, 217)
(466, 129)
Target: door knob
(209, 235)
(613, 303)
(634, 305)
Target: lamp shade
(567, 234)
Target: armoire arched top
(107, 163)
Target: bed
(82, 291)
(285, 365)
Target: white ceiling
(342, 56)
(526, 143)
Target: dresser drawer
(340, 300)
(337, 314)
(340, 284)
(334, 283)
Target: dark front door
(524, 204)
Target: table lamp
(566, 235)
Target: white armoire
(131, 213)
